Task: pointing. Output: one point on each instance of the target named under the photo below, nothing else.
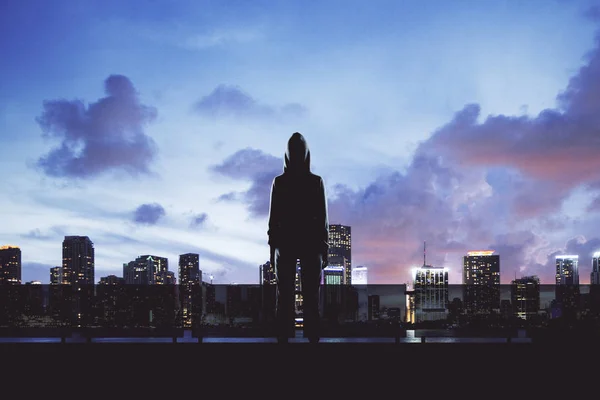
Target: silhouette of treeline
(249, 310)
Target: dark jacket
(298, 211)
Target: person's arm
(323, 223)
(273, 221)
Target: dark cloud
(199, 220)
(148, 214)
(579, 245)
(551, 153)
(107, 135)
(231, 102)
(256, 167)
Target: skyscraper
(146, 270)
(567, 284)
(340, 245)
(189, 269)
(430, 293)
(567, 270)
(10, 265)
(595, 275)
(525, 296)
(190, 281)
(481, 281)
(267, 274)
(359, 275)
(78, 261)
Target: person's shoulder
(316, 178)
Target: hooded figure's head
(297, 156)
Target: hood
(297, 156)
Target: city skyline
(55, 274)
(469, 126)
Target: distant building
(112, 280)
(595, 275)
(340, 245)
(267, 274)
(335, 272)
(567, 293)
(34, 283)
(189, 269)
(481, 282)
(10, 265)
(430, 293)
(56, 276)
(525, 297)
(78, 261)
(374, 307)
(359, 276)
(147, 270)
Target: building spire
(424, 254)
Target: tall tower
(189, 269)
(481, 281)
(340, 245)
(78, 260)
(595, 275)
(10, 265)
(567, 270)
(567, 284)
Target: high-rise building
(525, 296)
(359, 275)
(189, 269)
(56, 276)
(267, 274)
(157, 268)
(430, 293)
(111, 280)
(340, 245)
(10, 265)
(481, 282)
(335, 272)
(359, 281)
(78, 260)
(190, 289)
(567, 270)
(146, 270)
(595, 275)
(567, 285)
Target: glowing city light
(480, 253)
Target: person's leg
(285, 273)
(311, 281)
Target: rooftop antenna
(424, 254)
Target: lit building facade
(567, 285)
(10, 265)
(78, 261)
(360, 281)
(430, 293)
(481, 282)
(340, 245)
(595, 275)
(56, 276)
(525, 297)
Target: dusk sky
(157, 127)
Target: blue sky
(156, 127)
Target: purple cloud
(148, 214)
(198, 220)
(99, 137)
(231, 102)
(257, 167)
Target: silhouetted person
(298, 229)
